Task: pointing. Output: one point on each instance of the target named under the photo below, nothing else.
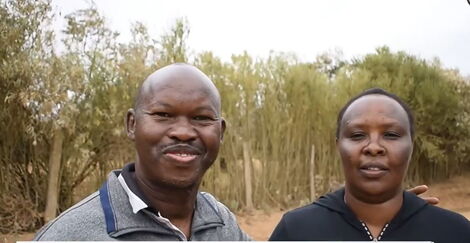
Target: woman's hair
(376, 91)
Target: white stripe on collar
(137, 205)
(135, 201)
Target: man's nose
(182, 130)
(374, 147)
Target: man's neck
(175, 204)
(374, 215)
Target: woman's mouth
(373, 170)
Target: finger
(431, 200)
(419, 189)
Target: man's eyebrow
(206, 108)
(198, 109)
(159, 103)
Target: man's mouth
(372, 168)
(181, 157)
(181, 153)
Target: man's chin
(181, 183)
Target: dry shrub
(18, 214)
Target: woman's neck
(374, 214)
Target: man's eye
(202, 118)
(161, 114)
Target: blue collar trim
(108, 211)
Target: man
(176, 126)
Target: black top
(329, 218)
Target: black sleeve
(280, 232)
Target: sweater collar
(121, 219)
(137, 199)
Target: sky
(425, 28)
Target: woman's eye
(357, 136)
(391, 135)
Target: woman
(375, 141)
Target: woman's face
(375, 146)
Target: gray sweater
(106, 215)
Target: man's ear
(223, 126)
(130, 124)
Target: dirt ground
(454, 194)
(16, 237)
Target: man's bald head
(181, 73)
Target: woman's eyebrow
(362, 123)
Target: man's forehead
(179, 94)
(178, 87)
(179, 83)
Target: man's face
(177, 131)
(375, 146)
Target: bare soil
(10, 238)
(454, 194)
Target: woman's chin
(375, 192)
